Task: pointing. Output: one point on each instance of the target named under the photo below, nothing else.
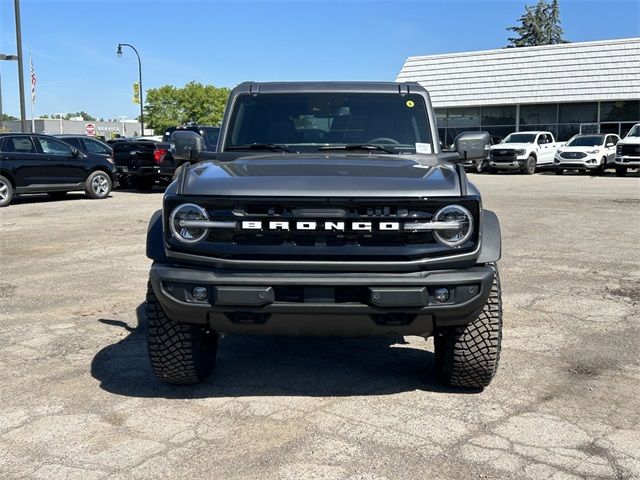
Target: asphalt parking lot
(78, 399)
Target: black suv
(87, 144)
(33, 163)
(328, 210)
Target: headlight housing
(188, 212)
(592, 152)
(454, 237)
(521, 151)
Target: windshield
(588, 141)
(634, 132)
(520, 138)
(308, 122)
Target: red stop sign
(90, 128)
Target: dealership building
(566, 89)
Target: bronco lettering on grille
(324, 226)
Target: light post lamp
(119, 53)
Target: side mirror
(610, 144)
(75, 152)
(187, 145)
(472, 145)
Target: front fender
(155, 238)
(491, 248)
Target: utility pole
(23, 115)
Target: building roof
(570, 72)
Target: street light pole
(119, 52)
(23, 115)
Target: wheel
(180, 353)
(57, 195)
(492, 170)
(98, 185)
(144, 184)
(530, 167)
(559, 171)
(621, 171)
(467, 356)
(6, 191)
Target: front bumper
(587, 163)
(514, 163)
(633, 162)
(319, 304)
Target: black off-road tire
(180, 353)
(468, 356)
(530, 166)
(621, 171)
(6, 191)
(559, 171)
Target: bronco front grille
(383, 236)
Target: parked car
(628, 152)
(141, 163)
(591, 153)
(87, 144)
(523, 151)
(34, 163)
(369, 230)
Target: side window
(72, 141)
(542, 139)
(55, 147)
(613, 139)
(19, 145)
(95, 147)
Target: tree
(6, 117)
(85, 116)
(539, 25)
(168, 106)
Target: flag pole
(33, 90)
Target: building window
(567, 130)
(441, 117)
(538, 114)
(503, 115)
(625, 111)
(553, 128)
(463, 117)
(578, 113)
(499, 131)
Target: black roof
(355, 87)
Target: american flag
(33, 81)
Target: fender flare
(155, 238)
(491, 247)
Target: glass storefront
(563, 120)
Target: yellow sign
(136, 92)
(410, 103)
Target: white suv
(590, 153)
(628, 151)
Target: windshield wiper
(273, 147)
(361, 146)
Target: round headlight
(183, 213)
(454, 237)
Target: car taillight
(158, 154)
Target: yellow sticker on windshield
(410, 103)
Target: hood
(509, 146)
(564, 148)
(630, 141)
(327, 175)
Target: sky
(73, 43)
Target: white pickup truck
(523, 151)
(628, 151)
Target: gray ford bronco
(328, 210)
